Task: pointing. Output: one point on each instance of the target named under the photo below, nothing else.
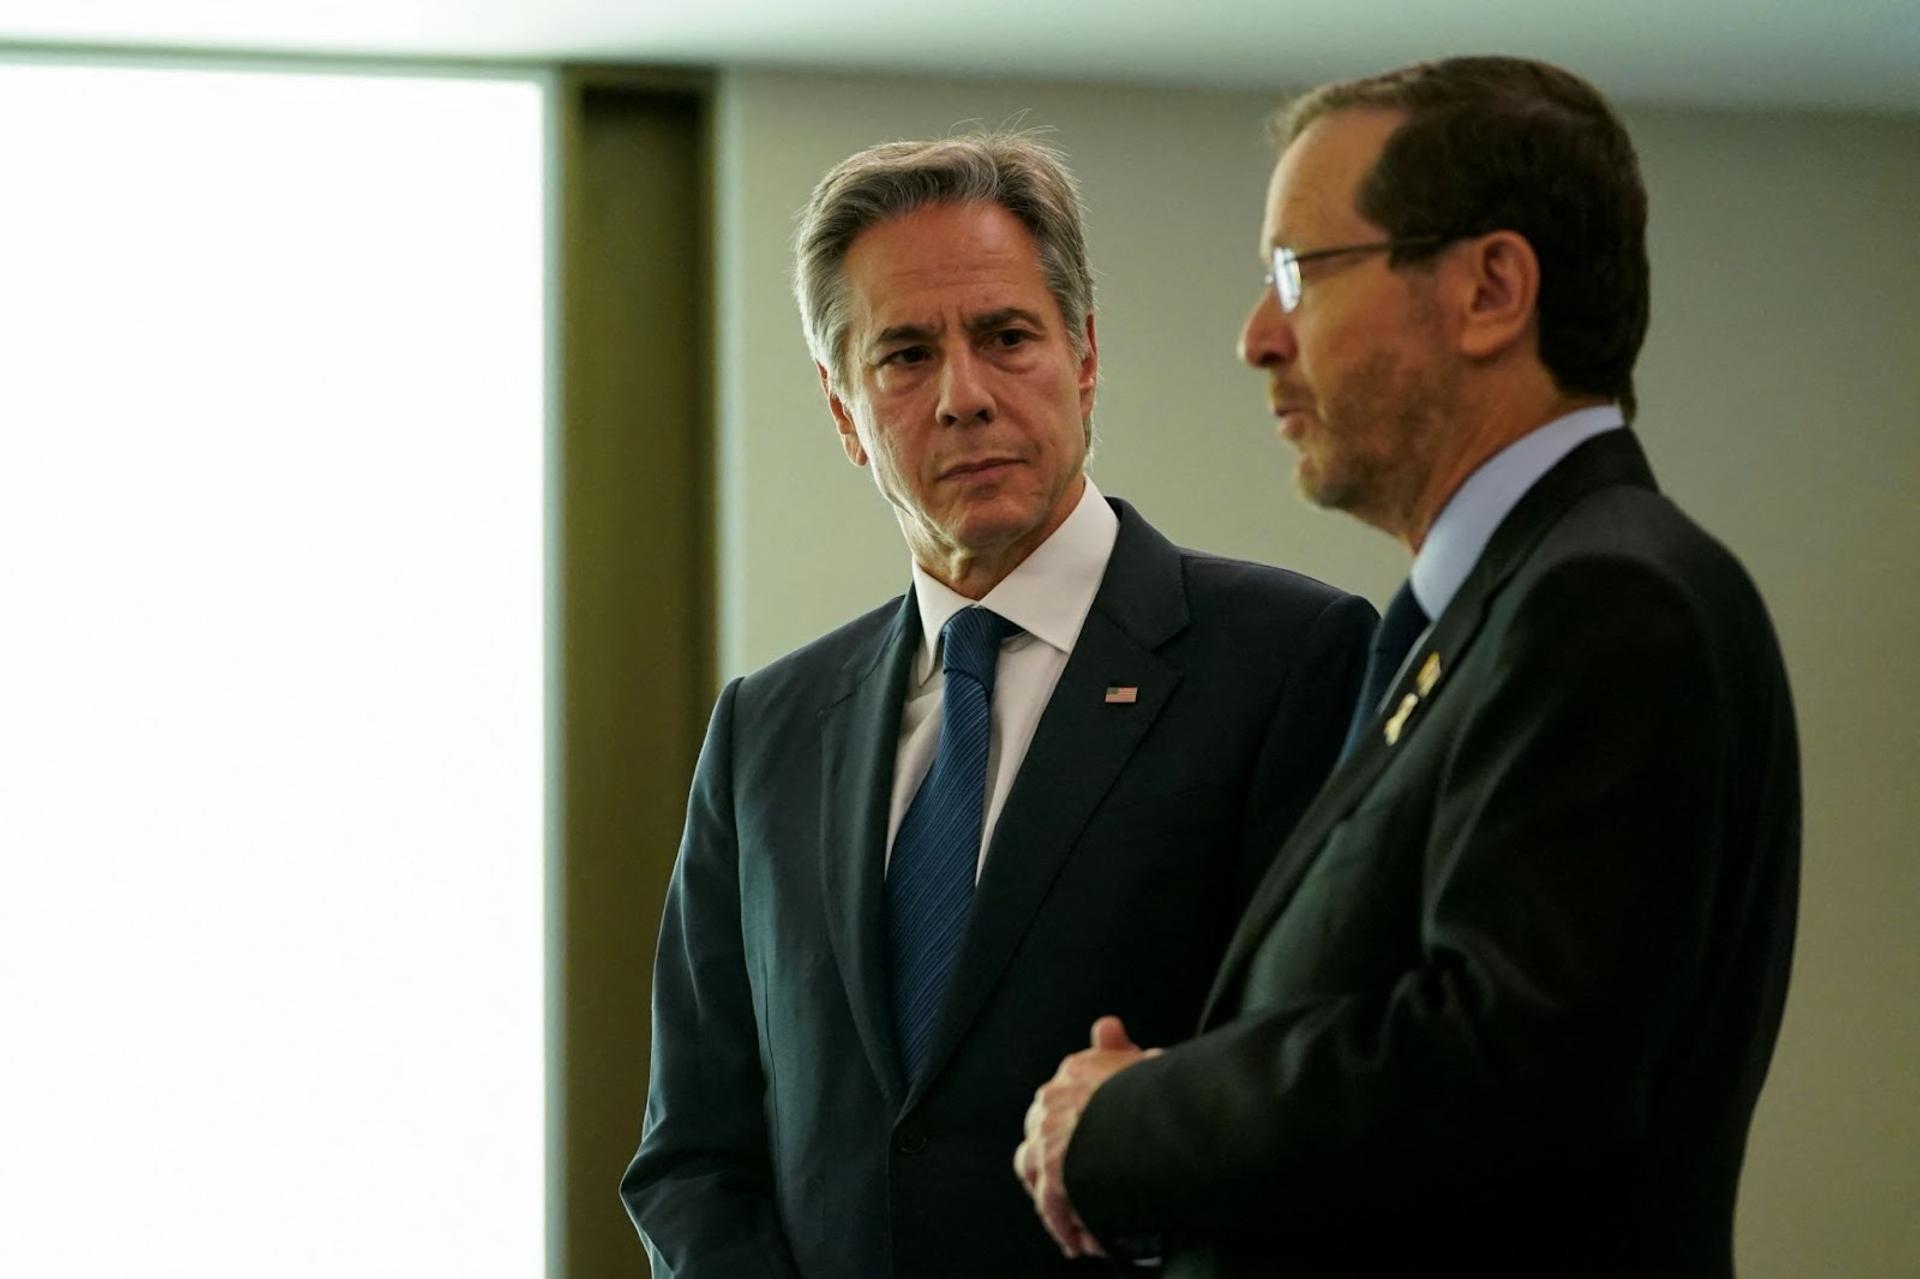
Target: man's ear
(842, 419)
(1499, 293)
(1089, 375)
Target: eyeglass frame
(1285, 270)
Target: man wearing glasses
(1504, 1000)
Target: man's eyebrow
(902, 333)
(991, 321)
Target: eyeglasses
(1285, 276)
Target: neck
(972, 575)
(1472, 439)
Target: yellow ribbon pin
(1399, 719)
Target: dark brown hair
(1508, 144)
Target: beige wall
(1780, 401)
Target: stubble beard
(1379, 430)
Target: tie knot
(970, 643)
(1400, 625)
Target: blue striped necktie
(1399, 627)
(931, 873)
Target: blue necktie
(1399, 627)
(935, 851)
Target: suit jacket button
(909, 1141)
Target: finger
(1030, 1164)
(1058, 1217)
(1088, 1245)
(1111, 1033)
(1047, 1222)
(1043, 1117)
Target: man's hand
(1050, 1123)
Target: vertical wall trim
(635, 604)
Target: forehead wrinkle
(912, 292)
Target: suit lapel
(1445, 644)
(1609, 459)
(859, 738)
(1079, 748)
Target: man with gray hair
(924, 852)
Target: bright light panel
(271, 405)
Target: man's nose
(1266, 339)
(965, 394)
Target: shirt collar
(1467, 522)
(1048, 595)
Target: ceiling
(1860, 54)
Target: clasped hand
(1051, 1119)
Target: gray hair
(1024, 176)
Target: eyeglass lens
(1286, 278)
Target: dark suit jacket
(1504, 1001)
(780, 1139)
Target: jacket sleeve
(700, 1189)
(1309, 726)
(1555, 950)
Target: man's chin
(990, 528)
(988, 533)
(1314, 485)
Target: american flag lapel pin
(1122, 694)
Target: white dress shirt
(1048, 597)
